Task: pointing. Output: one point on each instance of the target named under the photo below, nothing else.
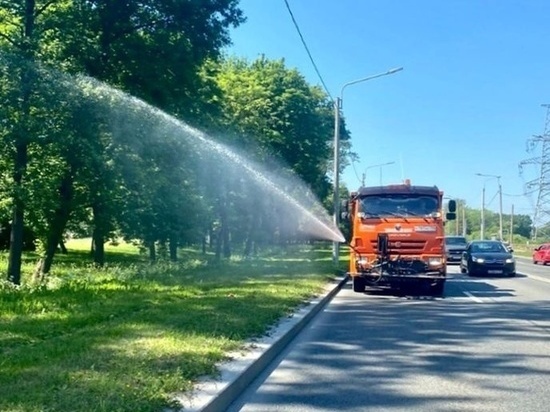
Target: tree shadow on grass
(132, 341)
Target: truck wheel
(438, 289)
(358, 284)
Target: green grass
(126, 337)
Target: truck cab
(397, 237)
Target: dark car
(454, 247)
(487, 257)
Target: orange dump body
(397, 236)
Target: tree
(154, 49)
(18, 33)
(282, 122)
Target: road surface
(484, 347)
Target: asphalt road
(484, 347)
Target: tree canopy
(97, 99)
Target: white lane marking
(475, 299)
(539, 278)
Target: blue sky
(467, 101)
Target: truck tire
(358, 284)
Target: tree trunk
(224, 230)
(173, 247)
(218, 245)
(226, 241)
(62, 247)
(21, 148)
(152, 252)
(249, 241)
(98, 236)
(16, 239)
(59, 221)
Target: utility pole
(511, 226)
(500, 211)
(483, 206)
(456, 221)
(482, 229)
(464, 221)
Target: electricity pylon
(541, 184)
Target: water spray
(324, 229)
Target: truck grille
(403, 247)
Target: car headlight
(435, 261)
(510, 260)
(478, 259)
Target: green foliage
(471, 218)
(278, 115)
(152, 49)
(80, 157)
(58, 136)
(133, 334)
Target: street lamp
(336, 198)
(482, 234)
(373, 166)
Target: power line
(307, 49)
(355, 170)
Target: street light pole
(336, 195)
(336, 188)
(500, 205)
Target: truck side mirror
(344, 209)
(344, 205)
(452, 206)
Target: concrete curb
(236, 375)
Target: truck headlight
(435, 261)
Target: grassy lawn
(524, 250)
(126, 337)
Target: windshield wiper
(388, 213)
(369, 214)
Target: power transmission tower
(541, 184)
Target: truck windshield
(399, 205)
(455, 241)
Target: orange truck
(397, 237)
